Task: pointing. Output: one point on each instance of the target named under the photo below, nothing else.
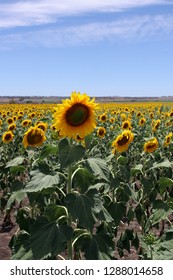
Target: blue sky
(100, 47)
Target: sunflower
(156, 125)
(10, 120)
(33, 137)
(26, 123)
(151, 145)
(20, 117)
(112, 120)
(42, 125)
(142, 121)
(53, 127)
(12, 126)
(121, 143)
(103, 118)
(101, 132)
(7, 137)
(76, 116)
(15, 118)
(123, 117)
(168, 139)
(126, 125)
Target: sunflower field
(86, 180)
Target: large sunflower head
(76, 116)
(121, 143)
(7, 137)
(151, 145)
(34, 137)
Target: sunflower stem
(69, 187)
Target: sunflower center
(7, 137)
(34, 138)
(151, 145)
(125, 125)
(101, 131)
(124, 140)
(77, 114)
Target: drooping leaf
(22, 254)
(20, 245)
(17, 196)
(117, 211)
(54, 212)
(82, 179)
(98, 167)
(166, 163)
(49, 238)
(96, 249)
(160, 211)
(81, 207)
(43, 179)
(15, 162)
(165, 183)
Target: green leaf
(48, 149)
(22, 254)
(69, 154)
(49, 238)
(81, 207)
(54, 212)
(160, 211)
(166, 163)
(15, 169)
(98, 167)
(80, 237)
(82, 179)
(96, 249)
(15, 162)
(99, 209)
(20, 245)
(137, 169)
(42, 180)
(117, 210)
(125, 172)
(165, 183)
(17, 185)
(16, 196)
(122, 160)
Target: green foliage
(81, 200)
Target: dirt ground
(5, 235)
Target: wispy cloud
(27, 13)
(138, 28)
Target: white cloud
(26, 13)
(138, 28)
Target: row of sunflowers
(85, 173)
(80, 116)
